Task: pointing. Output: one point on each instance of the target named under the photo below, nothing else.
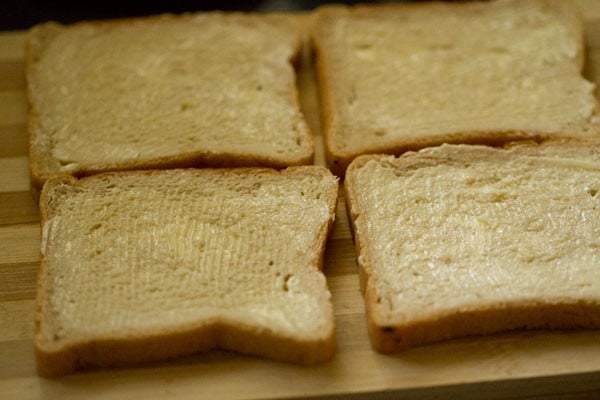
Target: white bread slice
(212, 89)
(464, 240)
(149, 265)
(406, 76)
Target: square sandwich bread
(150, 265)
(453, 240)
(206, 89)
(406, 76)
(462, 240)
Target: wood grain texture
(13, 72)
(14, 174)
(517, 365)
(17, 281)
(15, 140)
(17, 208)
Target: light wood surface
(516, 365)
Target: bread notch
(206, 89)
(150, 265)
(402, 77)
(464, 240)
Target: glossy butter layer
(163, 87)
(471, 227)
(427, 71)
(149, 255)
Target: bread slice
(403, 77)
(463, 240)
(212, 89)
(149, 265)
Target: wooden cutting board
(516, 365)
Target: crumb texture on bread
(400, 77)
(203, 88)
(458, 240)
(221, 258)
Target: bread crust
(43, 165)
(488, 317)
(167, 345)
(338, 159)
(201, 336)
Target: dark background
(22, 14)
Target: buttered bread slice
(150, 265)
(462, 240)
(206, 89)
(406, 76)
